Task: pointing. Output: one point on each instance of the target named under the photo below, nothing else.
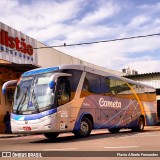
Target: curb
(12, 136)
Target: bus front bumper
(42, 125)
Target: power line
(94, 42)
(103, 41)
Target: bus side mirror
(8, 83)
(4, 91)
(52, 84)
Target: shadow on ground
(103, 135)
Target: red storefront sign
(18, 44)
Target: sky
(55, 22)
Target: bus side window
(117, 87)
(85, 89)
(86, 86)
(74, 81)
(91, 85)
(64, 91)
(110, 83)
(105, 86)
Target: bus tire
(114, 130)
(51, 136)
(140, 126)
(85, 128)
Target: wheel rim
(84, 127)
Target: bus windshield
(33, 93)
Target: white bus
(78, 99)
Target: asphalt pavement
(11, 135)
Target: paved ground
(100, 140)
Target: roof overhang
(17, 67)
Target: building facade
(151, 79)
(16, 56)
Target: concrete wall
(51, 57)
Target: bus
(78, 99)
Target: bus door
(63, 108)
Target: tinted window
(73, 80)
(94, 82)
(117, 86)
(104, 86)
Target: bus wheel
(114, 130)
(140, 126)
(51, 136)
(85, 128)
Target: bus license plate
(27, 128)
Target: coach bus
(78, 99)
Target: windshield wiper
(35, 102)
(22, 100)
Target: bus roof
(51, 69)
(78, 67)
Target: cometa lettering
(17, 43)
(112, 104)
